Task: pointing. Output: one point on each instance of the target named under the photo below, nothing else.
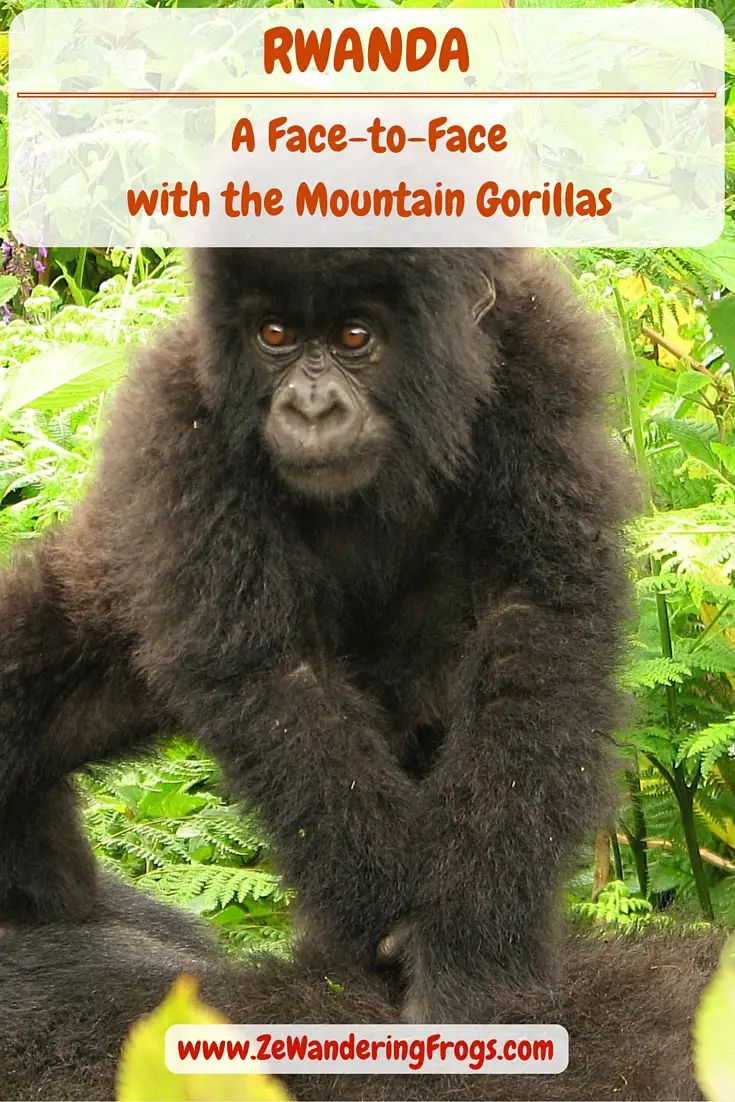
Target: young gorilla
(69, 993)
(355, 526)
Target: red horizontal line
(366, 95)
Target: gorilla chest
(405, 647)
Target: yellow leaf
(715, 575)
(714, 1029)
(142, 1075)
(724, 829)
(636, 287)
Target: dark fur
(413, 682)
(69, 993)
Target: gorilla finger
(392, 947)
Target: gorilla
(69, 992)
(355, 527)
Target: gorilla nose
(318, 410)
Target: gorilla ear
(485, 303)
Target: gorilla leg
(68, 994)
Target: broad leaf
(690, 382)
(722, 320)
(142, 1075)
(725, 453)
(8, 287)
(694, 437)
(714, 1030)
(717, 259)
(64, 377)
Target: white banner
(363, 1049)
(400, 127)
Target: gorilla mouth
(323, 477)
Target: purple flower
(38, 265)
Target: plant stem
(707, 855)
(602, 862)
(685, 798)
(617, 856)
(79, 270)
(637, 838)
(118, 328)
(634, 413)
(641, 461)
(667, 649)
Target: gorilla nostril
(317, 406)
(295, 420)
(335, 417)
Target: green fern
(712, 742)
(650, 672)
(615, 906)
(162, 824)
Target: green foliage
(615, 906)
(162, 824)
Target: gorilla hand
(392, 948)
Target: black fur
(412, 681)
(69, 993)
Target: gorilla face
(322, 427)
(352, 359)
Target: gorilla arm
(67, 695)
(521, 776)
(306, 749)
(526, 767)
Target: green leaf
(690, 382)
(714, 656)
(64, 377)
(651, 740)
(726, 453)
(722, 319)
(230, 916)
(714, 1028)
(660, 378)
(692, 436)
(654, 671)
(717, 259)
(9, 286)
(712, 742)
(3, 153)
(77, 292)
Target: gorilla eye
(276, 335)
(353, 338)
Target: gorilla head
(351, 355)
